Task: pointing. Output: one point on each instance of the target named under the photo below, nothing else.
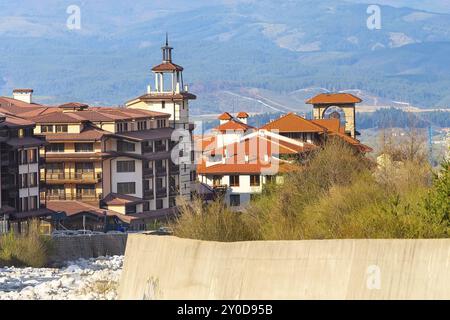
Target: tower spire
(167, 50)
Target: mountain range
(238, 54)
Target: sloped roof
(337, 98)
(167, 66)
(89, 133)
(121, 199)
(233, 125)
(242, 115)
(293, 123)
(225, 116)
(329, 124)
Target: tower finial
(167, 50)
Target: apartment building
(19, 172)
(119, 158)
(171, 95)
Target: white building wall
(117, 177)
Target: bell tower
(336, 105)
(169, 94)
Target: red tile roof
(167, 66)
(242, 115)
(293, 123)
(233, 125)
(234, 167)
(89, 133)
(329, 124)
(225, 116)
(337, 98)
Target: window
(124, 146)
(234, 181)
(56, 191)
(235, 200)
(148, 184)
(61, 128)
(84, 167)
(142, 125)
(32, 179)
(55, 147)
(55, 167)
(125, 166)
(24, 202)
(84, 147)
(122, 126)
(130, 209)
(23, 157)
(33, 203)
(160, 145)
(126, 187)
(160, 183)
(159, 204)
(147, 206)
(217, 180)
(85, 191)
(46, 128)
(32, 155)
(161, 123)
(254, 180)
(148, 146)
(23, 180)
(163, 104)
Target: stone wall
(88, 246)
(171, 268)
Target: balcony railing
(160, 148)
(56, 197)
(161, 171)
(74, 176)
(148, 194)
(148, 171)
(147, 149)
(162, 192)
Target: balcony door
(55, 171)
(84, 170)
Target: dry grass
(337, 194)
(214, 222)
(30, 249)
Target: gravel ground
(84, 279)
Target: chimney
(243, 116)
(24, 95)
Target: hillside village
(76, 166)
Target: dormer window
(122, 127)
(61, 128)
(142, 125)
(46, 128)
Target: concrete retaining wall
(89, 246)
(171, 268)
